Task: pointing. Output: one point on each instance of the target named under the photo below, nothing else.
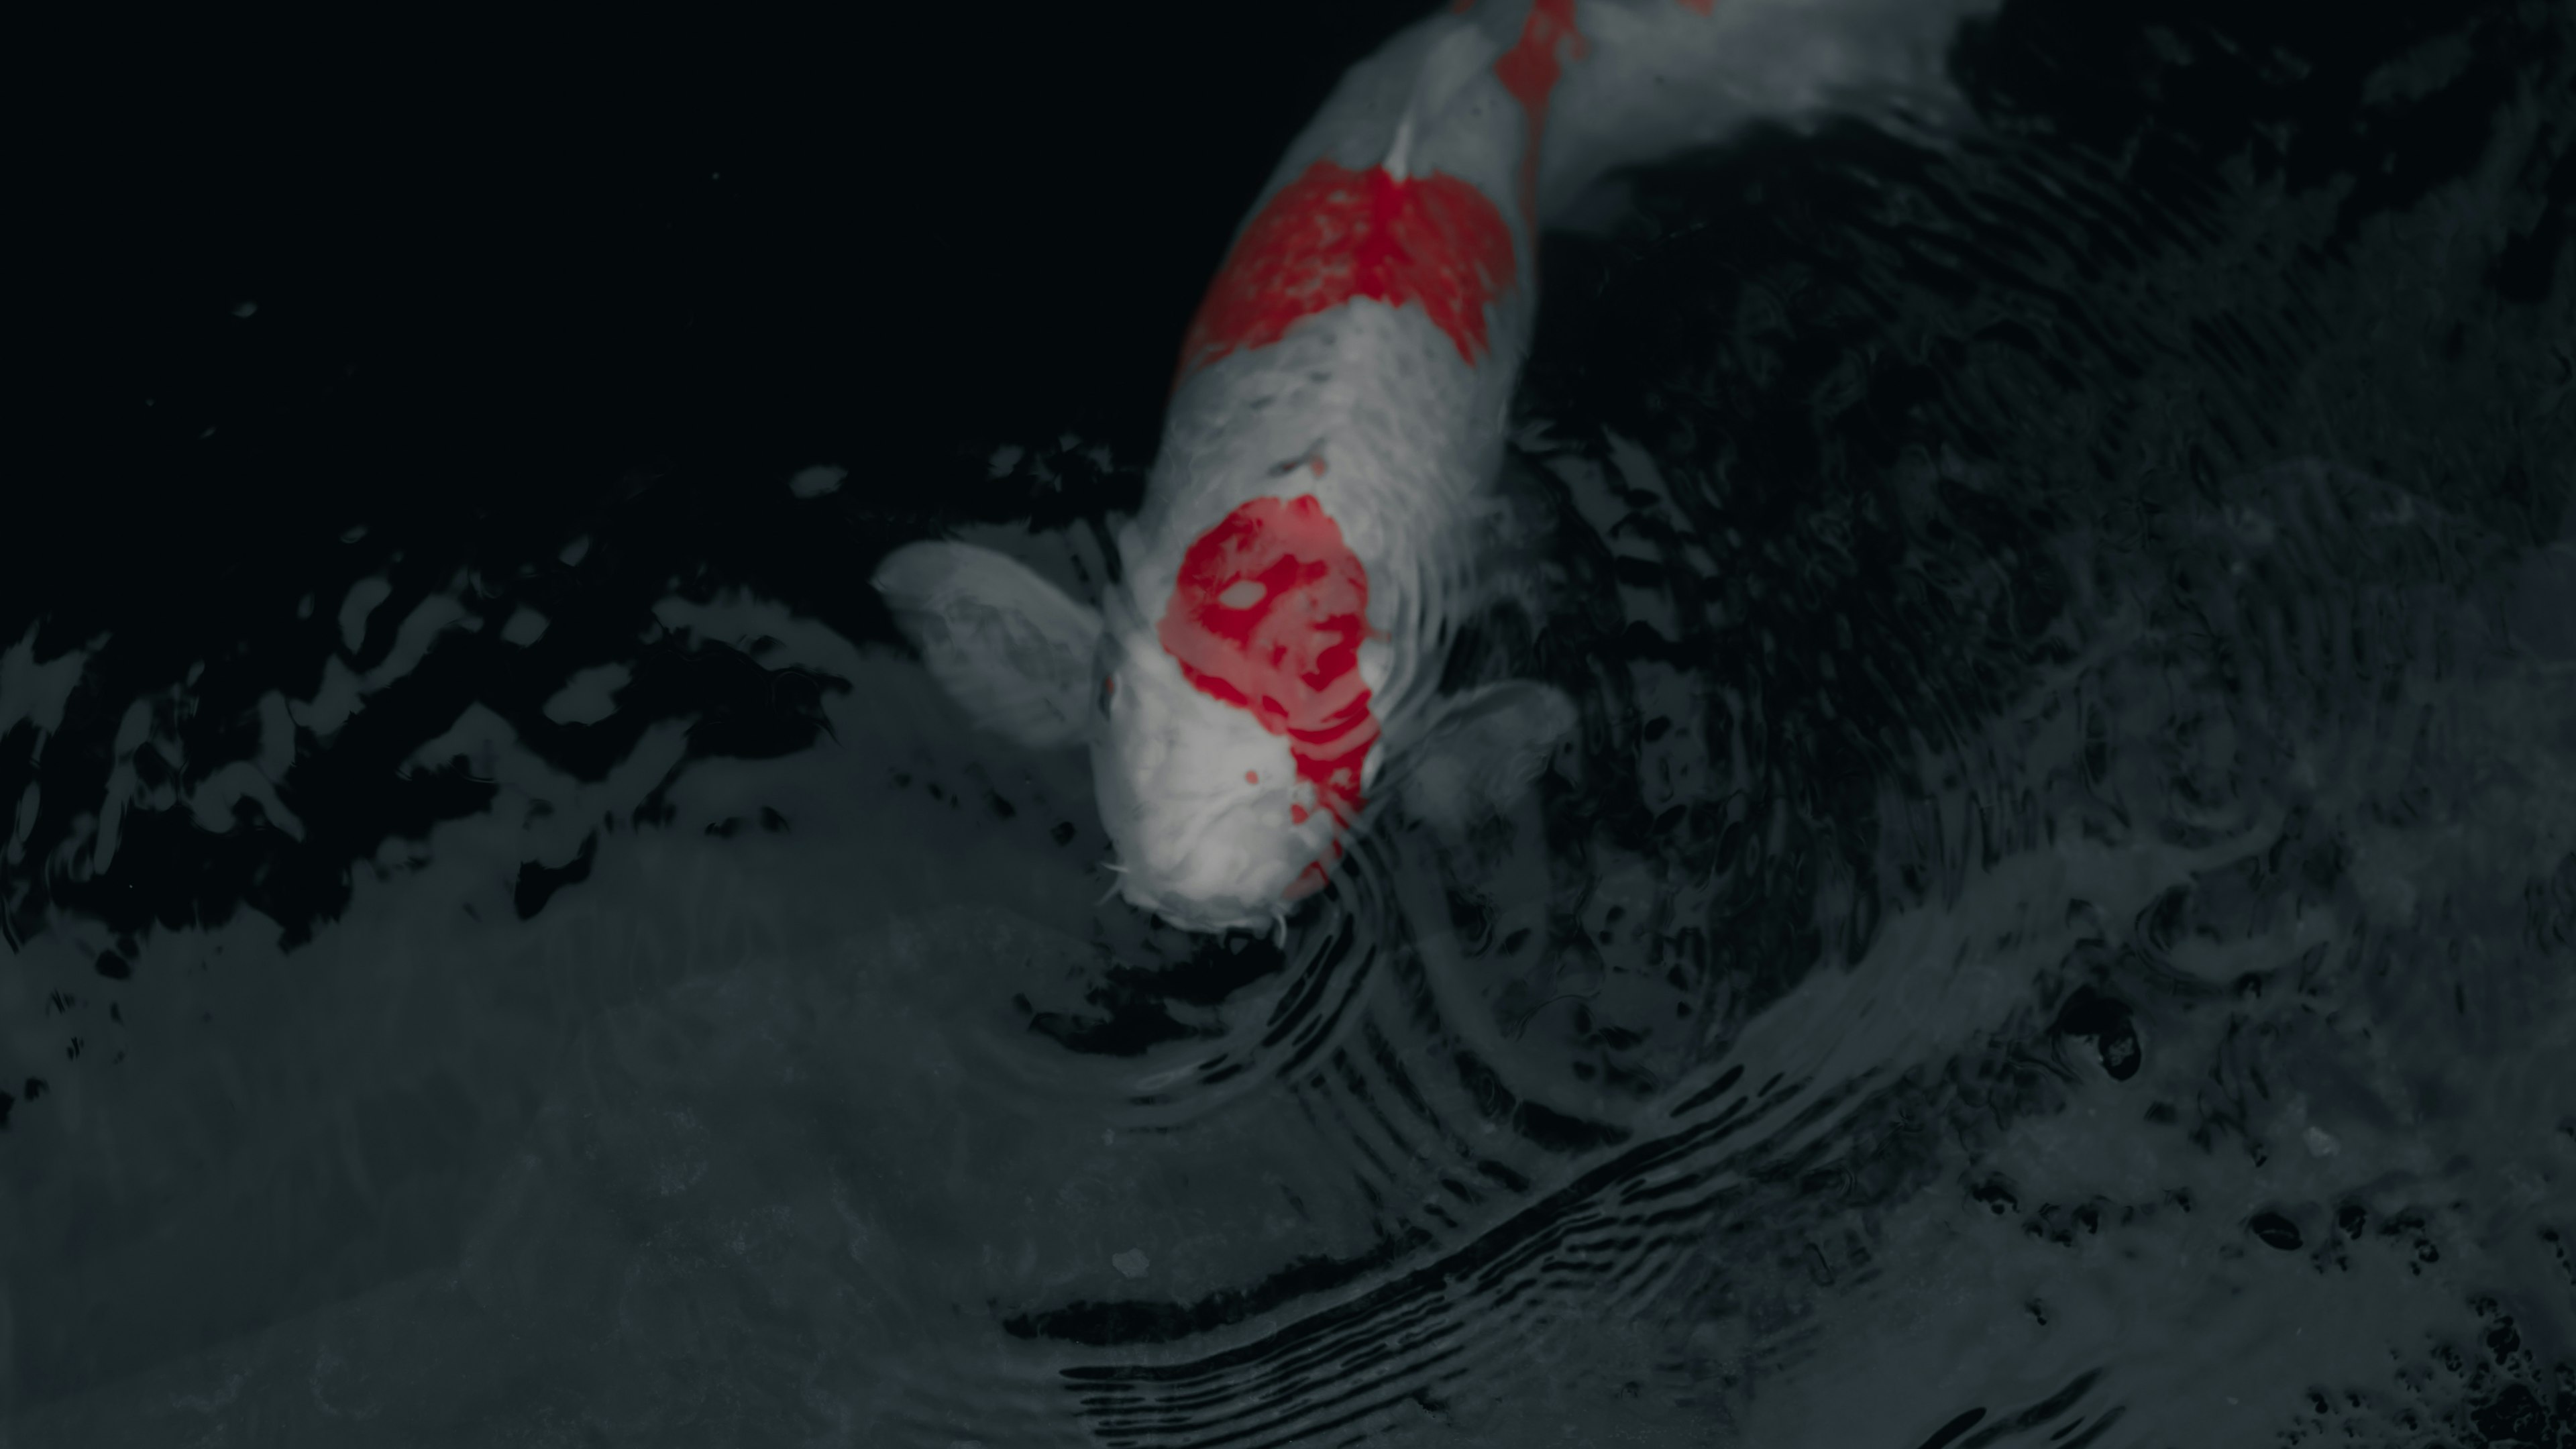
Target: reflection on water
(2055, 929)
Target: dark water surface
(2057, 928)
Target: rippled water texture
(2057, 928)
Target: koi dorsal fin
(1456, 59)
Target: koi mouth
(1194, 915)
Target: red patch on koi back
(1334, 234)
(1529, 71)
(1700, 7)
(1268, 615)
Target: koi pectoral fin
(1486, 747)
(1013, 650)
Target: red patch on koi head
(1334, 234)
(1267, 616)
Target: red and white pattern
(1336, 419)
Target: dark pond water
(2057, 928)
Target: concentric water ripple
(2054, 927)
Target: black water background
(620, 302)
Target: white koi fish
(1314, 523)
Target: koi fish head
(1211, 827)
(1233, 740)
(1240, 750)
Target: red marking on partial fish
(1334, 234)
(1268, 615)
(1699, 7)
(1529, 71)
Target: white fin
(1394, 163)
(1486, 747)
(1012, 649)
(1454, 60)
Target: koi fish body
(1315, 522)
